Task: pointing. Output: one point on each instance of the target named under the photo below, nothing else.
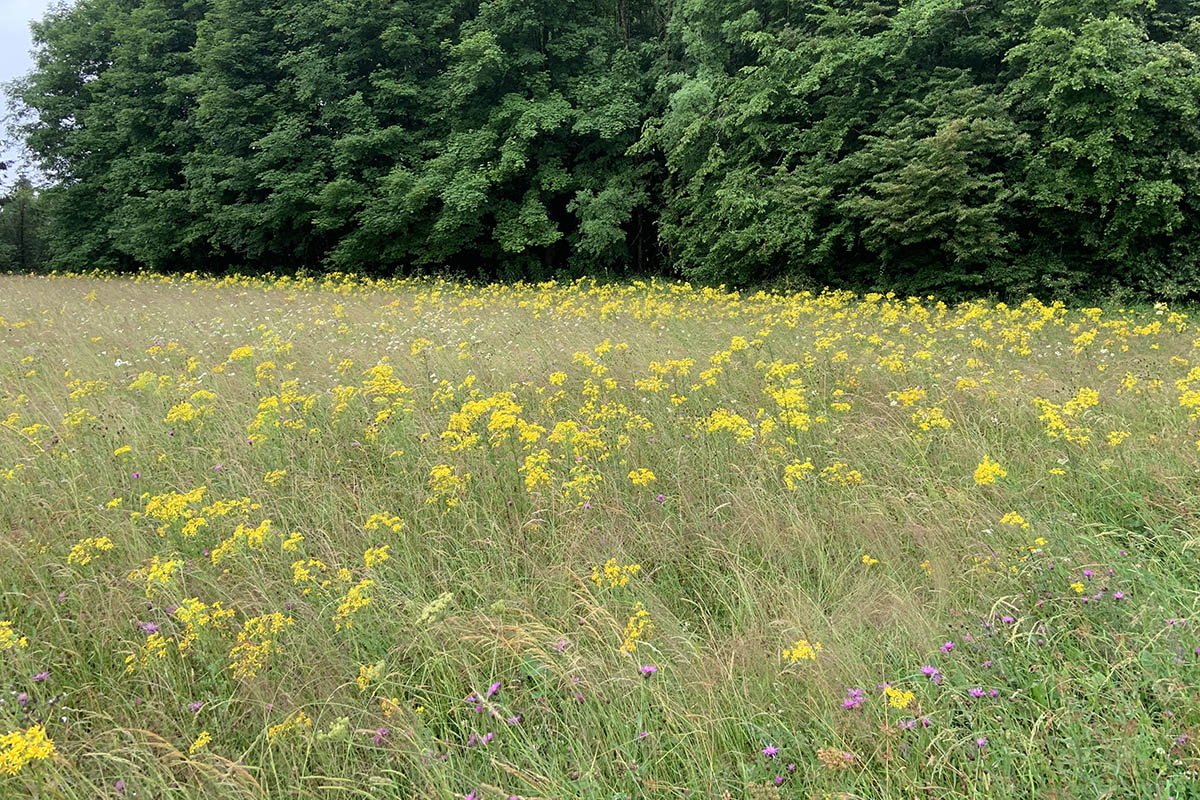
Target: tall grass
(591, 541)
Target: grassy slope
(378, 676)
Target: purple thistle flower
(947, 647)
(932, 673)
(770, 751)
(649, 669)
(981, 742)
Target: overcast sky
(14, 38)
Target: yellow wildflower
(988, 471)
(802, 650)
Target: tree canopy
(1046, 146)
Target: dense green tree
(111, 124)
(1112, 184)
(22, 235)
(950, 145)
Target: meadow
(341, 538)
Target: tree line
(951, 146)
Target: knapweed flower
(932, 673)
(648, 670)
(854, 698)
(770, 751)
(947, 647)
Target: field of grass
(343, 539)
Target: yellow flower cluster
(988, 471)
(637, 628)
(1014, 519)
(613, 574)
(256, 642)
(202, 741)
(641, 477)
(802, 650)
(898, 698)
(9, 638)
(357, 597)
(18, 748)
(296, 723)
(841, 474)
(83, 551)
(156, 575)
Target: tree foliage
(22, 220)
(929, 145)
